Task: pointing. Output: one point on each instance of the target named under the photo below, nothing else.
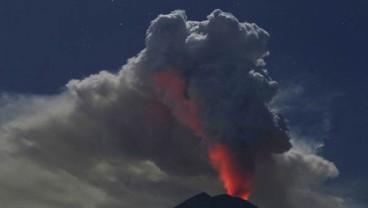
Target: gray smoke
(294, 179)
(221, 62)
(114, 140)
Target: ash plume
(193, 102)
(221, 94)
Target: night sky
(319, 47)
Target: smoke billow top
(191, 107)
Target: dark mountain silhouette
(203, 200)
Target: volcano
(203, 200)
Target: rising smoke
(221, 94)
(193, 102)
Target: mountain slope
(203, 200)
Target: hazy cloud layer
(110, 141)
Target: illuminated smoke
(198, 90)
(214, 82)
(236, 181)
(172, 87)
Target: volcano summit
(203, 200)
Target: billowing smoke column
(194, 101)
(210, 74)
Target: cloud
(91, 136)
(27, 184)
(115, 140)
(295, 179)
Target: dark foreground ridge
(203, 200)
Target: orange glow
(171, 85)
(236, 181)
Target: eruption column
(171, 86)
(235, 180)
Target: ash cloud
(297, 178)
(116, 141)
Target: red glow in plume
(170, 84)
(235, 180)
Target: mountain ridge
(204, 200)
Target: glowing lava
(236, 181)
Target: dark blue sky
(320, 44)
